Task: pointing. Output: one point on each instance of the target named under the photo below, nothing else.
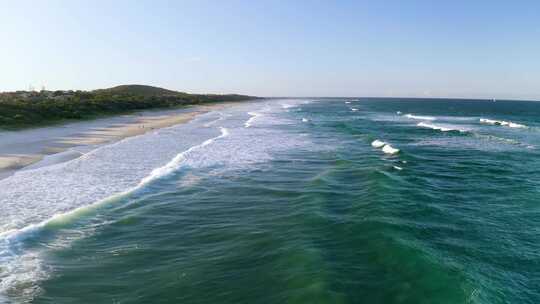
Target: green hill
(141, 90)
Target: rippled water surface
(289, 201)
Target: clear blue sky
(276, 48)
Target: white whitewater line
(354, 109)
(176, 162)
(488, 121)
(305, 120)
(398, 168)
(420, 117)
(501, 123)
(515, 125)
(436, 127)
(32, 271)
(254, 116)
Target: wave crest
(386, 148)
(419, 117)
(254, 116)
(503, 123)
(439, 128)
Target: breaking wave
(419, 117)
(250, 121)
(386, 148)
(501, 123)
(174, 164)
(439, 127)
(377, 143)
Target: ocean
(334, 200)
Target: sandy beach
(32, 148)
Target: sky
(414, 48)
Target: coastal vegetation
(23, 109)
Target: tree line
(18, 112)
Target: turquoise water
(287, 201)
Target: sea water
(288, 201)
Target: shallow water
(288, 201)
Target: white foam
(377, 143)
(398, 168)
(386, 148)
(420, 117)
(439, 128)
(250, 121)
(488, 121)
(354, 109)
(347, 102)
(398, 113)
(516, 125)
(177, 161)
(389, 149)
(305, 120)
(24, 273)
(501, 123)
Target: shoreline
(86, 136)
